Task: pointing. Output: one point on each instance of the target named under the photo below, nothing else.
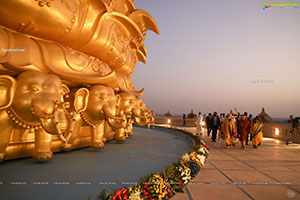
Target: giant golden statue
(65, 74)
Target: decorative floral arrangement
(194, 168)
(169, 182)
(185, 173)
(135, 196)
(156, 189)
(121, 194)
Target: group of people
(231, 128)
(295, 129)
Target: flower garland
(167, 184)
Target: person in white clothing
(199, 124)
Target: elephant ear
(81, 99)
(65, 90)
(7, 91)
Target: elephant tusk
(62, 138)
(116, 118)
(113, 117)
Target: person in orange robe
(229, 130)
(244, 127)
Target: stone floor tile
(263, 192)
(216, 192)
(268, 166)
(249, 177)
(220, 156)
(180, 196)
(208, 166)
(210, 176)
(233, 164)
(285, 177)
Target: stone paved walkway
(270, 172)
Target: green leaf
(104, 195)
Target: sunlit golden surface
(65, 74)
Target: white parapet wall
(175, 121)
(280, 131)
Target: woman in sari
(257, 135)
(229, 130)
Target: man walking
(215, 125)
(295, 130)
(184, 120)
(208, 123)
(247, 137)
(251, 121)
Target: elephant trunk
(49, 126)
(110, 112)
(116, 120)
(117, 124)
(139, 117)
(43, 109)
(58, 124)
(137, 113)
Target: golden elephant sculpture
(94, 108)
(147, 118)
(130, 105)
(34, 102)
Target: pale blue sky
(209, 51)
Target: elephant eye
(103, 97)
(35, 89)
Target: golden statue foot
(66, 147)
(2, 156)
(97, 145)
(120, 138)
(128, 133)
(42, 156)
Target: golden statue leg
(97, 134)
(129, 130)
(42, 149)
(6, 127)
(109, 133)
(120, 134)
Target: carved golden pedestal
(65, 68)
